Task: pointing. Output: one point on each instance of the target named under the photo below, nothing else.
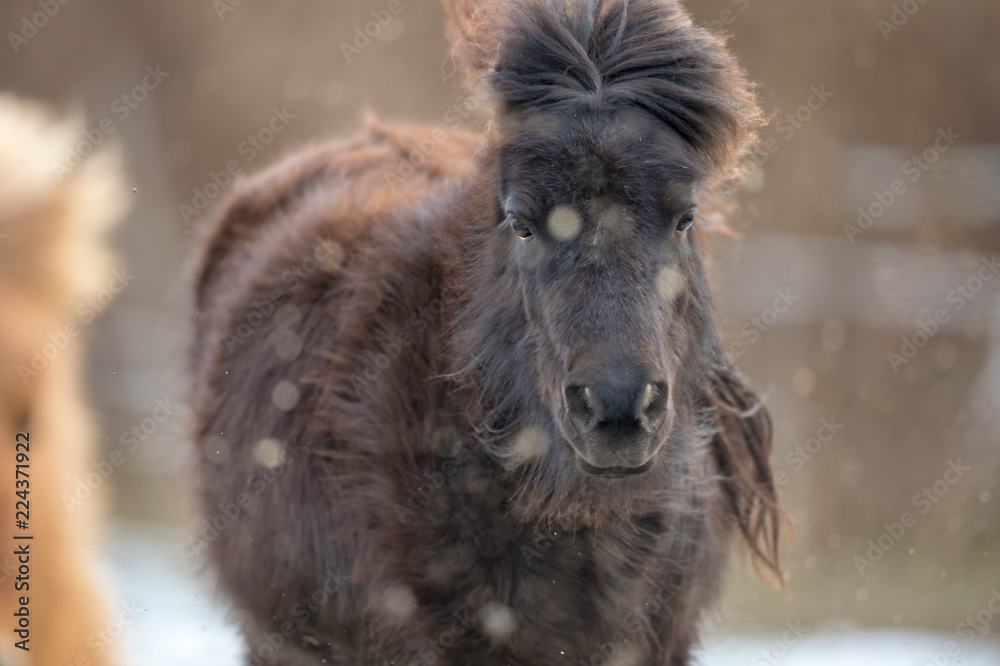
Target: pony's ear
(474, 29)
(741, 448)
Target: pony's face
(596, 206)
(586, 309)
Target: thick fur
(52, 258)
(377, 366)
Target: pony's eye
(519, 227)
(687, 219)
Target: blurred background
(858, 295)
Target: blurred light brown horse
(52, 257)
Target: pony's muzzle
(617, 415)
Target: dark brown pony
(460, 398)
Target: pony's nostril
(649, 392)
(653, 406)
(580, 401)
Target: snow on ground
(177, 623)
(869, 647)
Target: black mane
(645, 53)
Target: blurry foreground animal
(461, 398)
(52, 260)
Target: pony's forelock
(644, 53)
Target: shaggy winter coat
(460, 397)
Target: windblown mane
(646, 53)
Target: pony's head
(592, 323)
